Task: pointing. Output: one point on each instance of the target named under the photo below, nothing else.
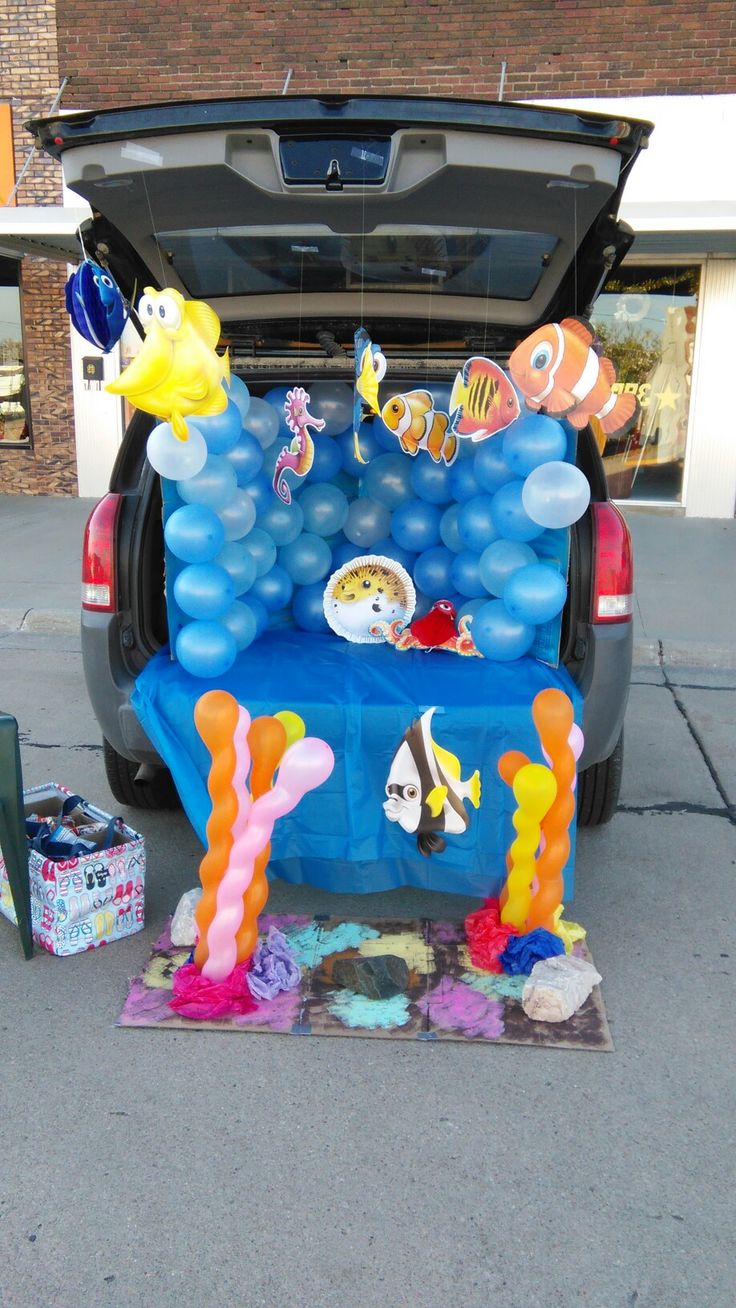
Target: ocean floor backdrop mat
(445, 997)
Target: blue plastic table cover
(361, 699)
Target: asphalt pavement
(160, 1168)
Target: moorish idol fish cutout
(425, 791)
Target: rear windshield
(267, 260)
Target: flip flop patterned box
(89, 900)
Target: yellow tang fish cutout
(177, 373)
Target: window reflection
(14, 417)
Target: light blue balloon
(391, 550)
(431, 481)
(499, 636)
(469, 608)
(510, 518)
(433, 572)
(239, 394)
(532, 441)
(238, 515)
(383, 436)
(274, 590)
(367, 521)
(466, 576)
(388, 479)
(262, 421)
(246, 458)
(333, 402)
(369, 448)
(206, 649)
(307, 559)
(535, 594)
(449, 530)
(213, 486)
(222, 430)
(324, 509)
(240, 620)
(194, 534)
(239, 564)
(261, 549)
(270, 459)
(204, 591)
(282, 522)
(174, 459)
(556, 494)
(501, 560)
(490, 470)
(276, 398)
(308, 608)
(415, 525)
(475, 524)
(261, 492)
(464, 484)
(326, 463)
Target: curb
(50, 621)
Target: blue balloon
(433, 572)
(246, 458)
(383, 436)
(239, 564)
(499, 636)
(327, 461)
(391, 550)
(282, 522)
(475, 524)
(263, 422)
(276, 398)
(270, 459)
(324, 508)
(501, 560)
(535, 594)
(307, 559)
(463, 482)
(241, 621)
(346, 552)
(260, 613)
(531, 441)
(204, 591)
(214, 485)
(274, 590)
(367, 522)
(388, 479)
(206, 649)
(491, 471)
(470, 607)
(308, 608)
(238, 515)
(431, 481)
(510, 518)
(261, 549)
(239, 394)
(449, 530)
(415, 525)
(332, 401)
(194, 534)
(466, 576)
(222, 430)
(369, 448)
(262, 492)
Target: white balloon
(176, 459)
(262, 421)
(556, 494)
(333, 402)
(238, 515)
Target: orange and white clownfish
(413, 421)
(558, 372)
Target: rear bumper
(603, 678)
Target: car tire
(598, 788)
(156, 791)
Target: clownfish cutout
(425, 791)
(559, 372)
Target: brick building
(559, 50)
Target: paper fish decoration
(425, 789)
(482, 401)
(176, 373)
(299, 455)
(96, 306)
(559, 372)
(416, 425)
(370, 369)
(365, 591)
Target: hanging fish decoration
(418, 426)
(483, 401)
(370, 369)
(96, 306)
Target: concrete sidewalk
(684, 570)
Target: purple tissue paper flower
(272, 968)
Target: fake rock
(183, 926)
(558, 987)
(381, 976)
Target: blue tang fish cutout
(370, 369)
(96, 306)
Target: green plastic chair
(13, 829)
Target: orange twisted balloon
(267, 741)
(216, 717)
(553, 716)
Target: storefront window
(646, 322)
(15, 426)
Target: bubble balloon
(238, 515)
(239, 564)
(206, 649)
(535, 594)
(491, 472)
(474, 523)
(415, 525)
(466, 576)
(324, 509)
(497, 635)
(391, 550)
(510, 518)
(307, 559)
(274, 590)
(246, 458)
(464, 484)
(194, 534)
(309, 609)
(282, 522)
(222, 430)
(214, 485)
(367, 521)
(531, 441)
(240, 620)
(432, 572)
(204, 590)
(449, 529)
(333, 402)
(239, 394)
(556, 494)
(388, 479)
(327, 462)
(261, 549)
(501, 560)
(431, 481)
(369, 448)
(172, 458)
(262, 421)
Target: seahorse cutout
(299, 455)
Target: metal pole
(32, 151)
(503, 80)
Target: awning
(46, 230)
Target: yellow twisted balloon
(534, 791)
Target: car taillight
(98, 556)
(613, 566)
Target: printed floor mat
(446, 998)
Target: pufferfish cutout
(176, 373)
(425, 790)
